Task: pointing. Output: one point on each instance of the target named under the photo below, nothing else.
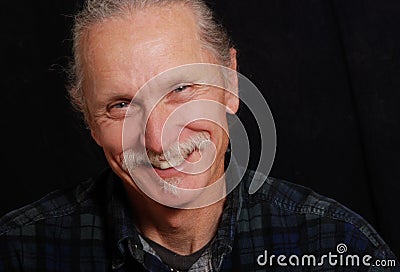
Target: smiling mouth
(178, 154)
(164, 163)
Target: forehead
(141, 44)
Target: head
(119, 46)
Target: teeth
(163, 165)
(178, 154)
(171, 162)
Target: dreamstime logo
(190, 111)
(338, 258)
(341, 248)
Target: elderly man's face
(120, 56)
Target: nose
(155, 130)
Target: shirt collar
(223, 243)
(120, 222)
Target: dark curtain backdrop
(330, 71)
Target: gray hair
(213, 35)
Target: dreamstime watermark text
(338, 258)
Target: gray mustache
(173, 156)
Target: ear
(233, 55)
(232, 95)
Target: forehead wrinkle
(124, 58)
(139, 19)
(128, 71)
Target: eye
(182, 88)
(182, 92)
(120, 105)
(118, 109)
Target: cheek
(110, 139)
(218, 132)
(200, 115)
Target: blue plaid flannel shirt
(282, 227)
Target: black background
(330, 71)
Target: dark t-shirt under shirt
(173, 260)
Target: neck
(182, 231)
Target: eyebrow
(166, 83)
(173, 80)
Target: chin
(183, 191)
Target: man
(138, 65)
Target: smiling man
(155, 81)
(122, 55)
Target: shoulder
(53, 231)
(55, 205)
(287, 198)
(294, 198)
(297, 215)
